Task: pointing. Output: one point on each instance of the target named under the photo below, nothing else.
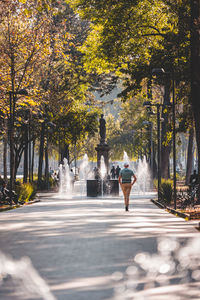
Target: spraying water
(60, 178)
(65, 179)
(84, 168)
(102, 172)
(27, 280)
(143, 182)
(84, 171)
(126, 158)
(142, 172)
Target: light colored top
(126, 175)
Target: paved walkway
(93, 249)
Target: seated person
(6, 193)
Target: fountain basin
(110, 187)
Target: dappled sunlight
(79, 217)
(81, 245)
(84, 283)
(174, 271)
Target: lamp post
(12, 102)
(174, 138)
(148, 104)
(148, 123)
(161, 71)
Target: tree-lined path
(83, 247)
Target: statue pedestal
(103, 150)
(110, 187)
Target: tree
(130, 38)
(128, 133)
(23, 46)
(195, 74)
(73, 126)
(63, 83)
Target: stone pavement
(92, 249)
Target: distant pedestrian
(72, 179)
(96, 173)
(112, 171)
(117, 171)
(126, 180)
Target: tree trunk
(46, 167)
(33, 154)
(65, 153)
(29, 149)
(18, 155)
(190, 155)
(25, 154)
(41, 154)
(5, 149)
(195, 74)
(149, 88)
(11, 129)
(165, 145)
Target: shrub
(155, 183)
(25, 191)
(52, 182)
(166, 190)
(44, 186)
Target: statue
(102, 128)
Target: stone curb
(158, 203)
(173, 211)
(19, 205)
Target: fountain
(65, 186)
(60, 173)
(142, 172)
(126, 158)
(84, 174)
(103, 174)
(24, 278)
(84, 168)
(102, 185)
(143, 183)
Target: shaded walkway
(83, 247)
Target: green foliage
(39, 43)
(132, 37)
(155, 183)
(44, 185)
(58, 57)
(25, 191)
(76, 124)
(166, 191)
(52, 182)
(125, 32)
(135, 137)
